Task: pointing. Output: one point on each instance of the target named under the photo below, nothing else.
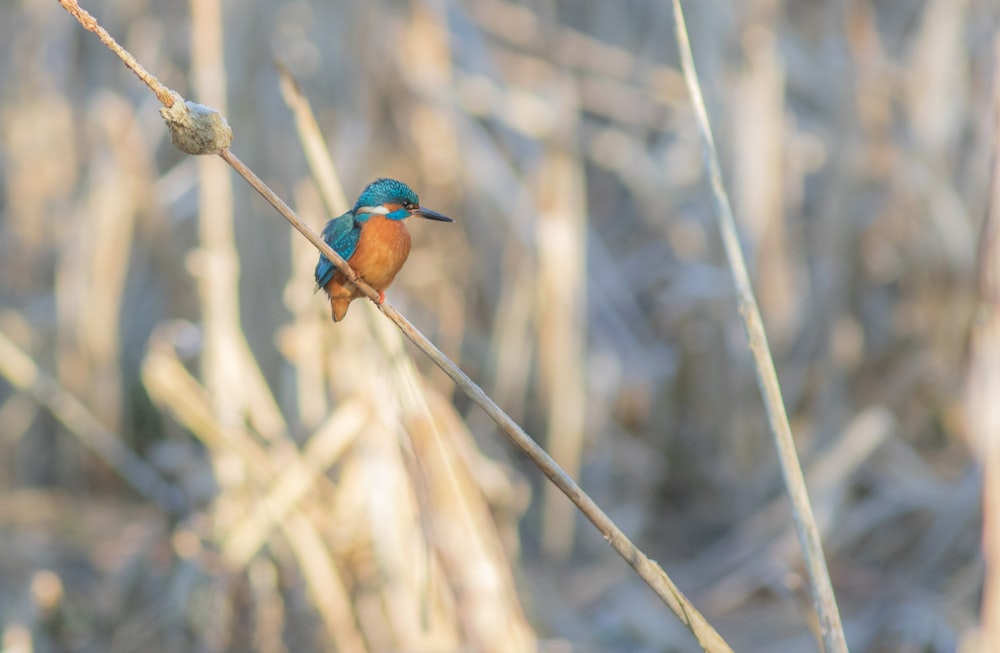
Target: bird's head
(393, 199)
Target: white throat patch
(381, 210)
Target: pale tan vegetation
(197, 459)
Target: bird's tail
(338, 307)
(341, 293)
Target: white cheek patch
(381, 210)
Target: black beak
(431, 215)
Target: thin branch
(164, 94)
(650, 572)
(767, 378)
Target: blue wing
(342, 235)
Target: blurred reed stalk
(561, 236)
(456, 515)
(982, 386)
(281, 481)
(235, 386)
(825, 602)
(22, 373)
(93, 266)
(760, 170)
(297, 339)
(231, 372)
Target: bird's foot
(381, 298)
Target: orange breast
(381, 251)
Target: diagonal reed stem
(648, 570)
(767, 378)
(21, 372)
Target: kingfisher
(373, 240)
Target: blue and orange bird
(373, 240)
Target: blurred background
(194, 458)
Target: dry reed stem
(314, 144)
(982, 410)
(269, 610)
(458, 517)
(414, 610)
(293, 482)
(511, 344)
(650, 572)
(762, 175)
(561, 237)
(767, 378)
(92, 269)
(169, 384)
(22, 373)
(325, 584)
(296, 340)
(829, 476)
(232, 374)
(164, 94)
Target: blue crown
(386, 191)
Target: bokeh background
(194, 458)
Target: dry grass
(334, 496)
